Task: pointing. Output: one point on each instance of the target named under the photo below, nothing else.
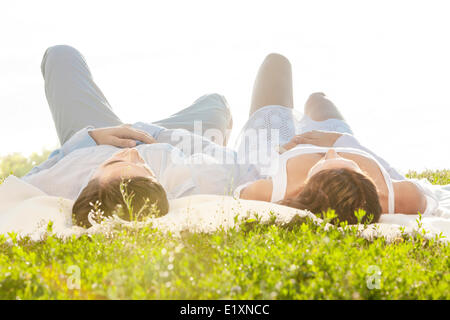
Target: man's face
(126, 163)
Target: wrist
(335, 138)
(285, 147)
(93, 134)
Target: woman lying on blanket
(154, 162)
(316, 162)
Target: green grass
(19, 165)
(255, 261)
(435, 177)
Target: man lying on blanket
(101, 158)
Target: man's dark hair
(140, 191)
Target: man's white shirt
(180, 173)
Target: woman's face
(126, 163)
(332, 160)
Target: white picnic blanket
(26, 210)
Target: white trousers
(76, 101)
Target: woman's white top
(276, 125)
(279, 179)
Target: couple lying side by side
(310, 162)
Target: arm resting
(347, 140)
(80, 139)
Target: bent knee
(314, 99)
(224, 107)
(216, 99)
(216, 96)
(58, 53)
(61, 50)
(276, 58)
(316, 95)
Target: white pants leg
(75, 100)
(209, 115)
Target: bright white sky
(385, 64)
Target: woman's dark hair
(140, 191)
(343, 190)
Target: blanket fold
(26, 210)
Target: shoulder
(409, 198)
(258, 190)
